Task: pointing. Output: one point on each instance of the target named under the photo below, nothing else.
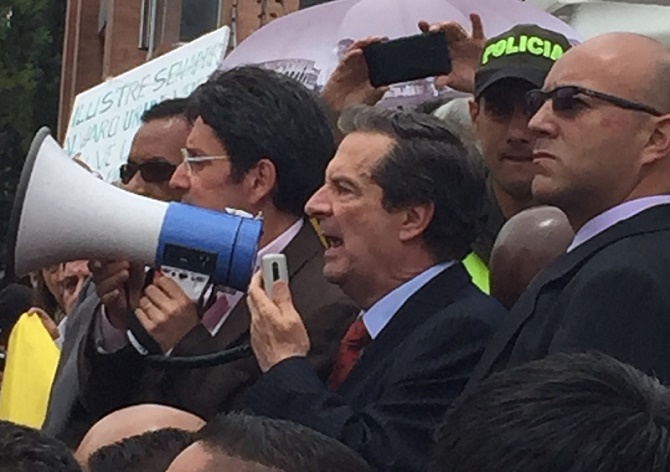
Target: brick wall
(249, 14)
(94, 50)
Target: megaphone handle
(138, 337)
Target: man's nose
(318, 204)
(542, 123)
(518, 130)
(180, 179)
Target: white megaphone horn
(61, 213)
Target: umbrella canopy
(308, 44)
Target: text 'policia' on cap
(524, 52)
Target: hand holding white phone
(274, 268)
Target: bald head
(608, 140)
(654, 59)
(526, 244)
(626, 64)
(661, 82)
(133, 421)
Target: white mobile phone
(274, 268)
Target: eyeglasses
(564, 99)
(153, 171)
(189, 160)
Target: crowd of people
(477, 287)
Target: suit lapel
(437, 294)
(651, 220)
(303, 247)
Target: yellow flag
(32, 358)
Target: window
(169, 22)
(311, 3)
(198, 17)
(102, 15)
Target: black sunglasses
(564, 99)
(151, 171)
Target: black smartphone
(409, 58)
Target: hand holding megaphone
(62, 213)
(111, 279)
(166, 313)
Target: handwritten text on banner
(105, 118)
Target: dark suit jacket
(610, 294)
(387, 407)
(109, 382)
(63, 408)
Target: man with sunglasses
(156, 151)
(260, 143)
(602, 151)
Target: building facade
(104, 38)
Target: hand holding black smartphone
(409, 58)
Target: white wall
(596, 17)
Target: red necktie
(351, 348)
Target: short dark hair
(569, 412)
(25, 449)
(165, 109)
(427, 163)
(278, 444)
(148, 452)
(257, 113)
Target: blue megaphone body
(220, 245)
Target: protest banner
(105, 118)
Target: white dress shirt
(614, 215)
(382, 312)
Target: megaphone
(61, 213)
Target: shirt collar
(614, 215)
(275, 246)
(278, 244)
(380, 314)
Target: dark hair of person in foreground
(277, 444)
(565, 413)
(152, 451)
(24, 449)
